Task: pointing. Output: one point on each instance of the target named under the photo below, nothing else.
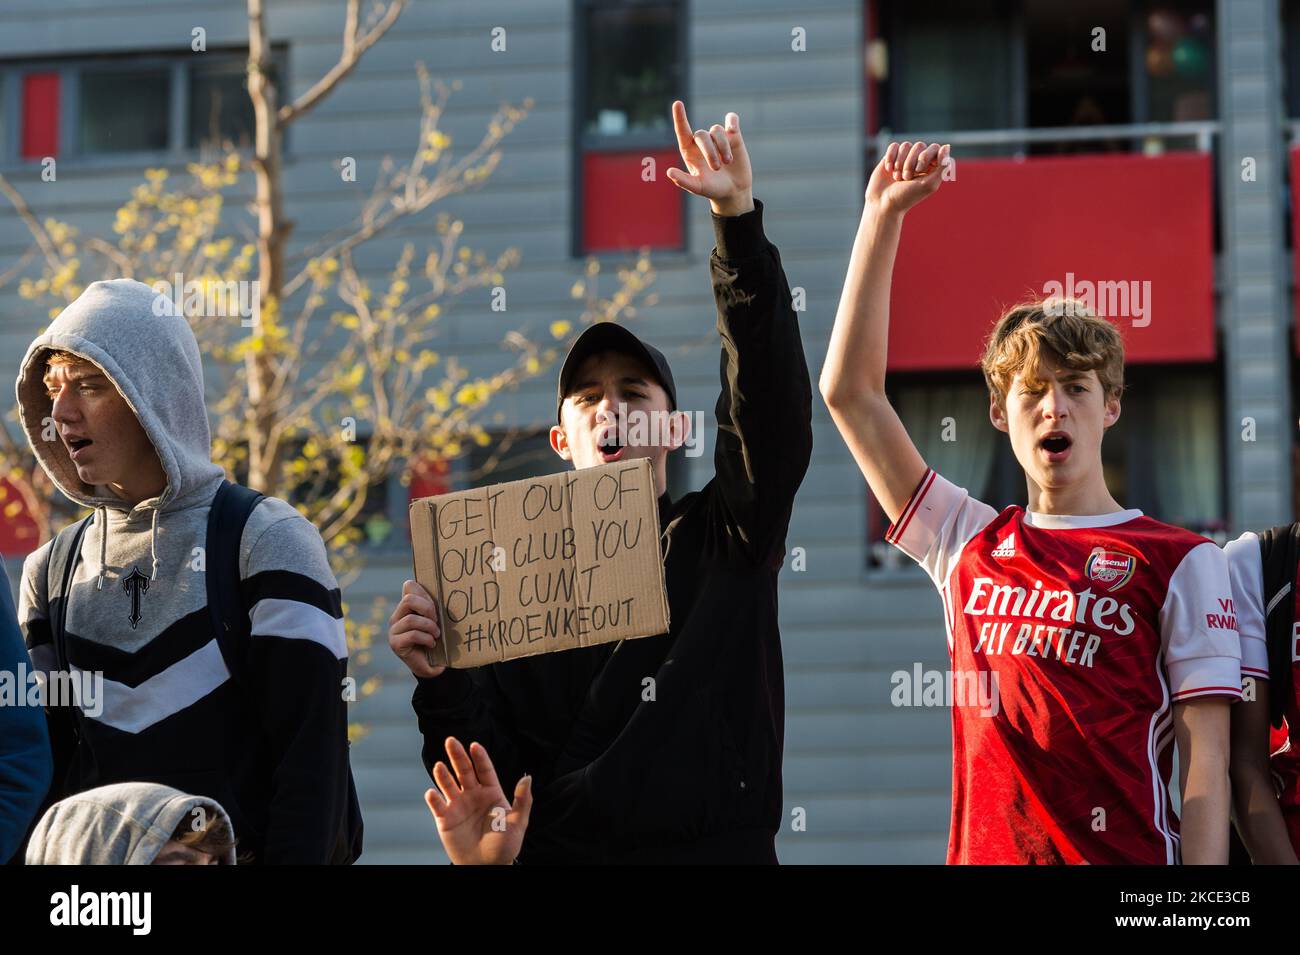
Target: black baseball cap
(611, 336)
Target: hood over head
(148, 351)
(122, 824)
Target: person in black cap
(609, 380)
(668, 748)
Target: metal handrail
(1203, 130)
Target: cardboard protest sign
(550, 563)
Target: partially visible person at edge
(25, 766)
(1265, 766)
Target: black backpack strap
(1280, 554)
(226, 519)
(229, 513)
(64, 555)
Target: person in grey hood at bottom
(111, 398)
(133, 824)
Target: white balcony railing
(1147, 138)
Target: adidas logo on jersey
(1007, 548)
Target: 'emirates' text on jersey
(1084, 631)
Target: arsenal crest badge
(1110, 568)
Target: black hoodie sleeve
(469, 705)
(298, 664)
(521, 710)
(305, 722)
(764, 444)
(764, 413)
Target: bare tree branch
(114, 255)
(354, 48)
(406, 191)
(37, 230)
(350, 27)
(7, 276)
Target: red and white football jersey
(1247, 567)
(1081, 632)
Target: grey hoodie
(272, 751)
(153, 361)
(123, 824)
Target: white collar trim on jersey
(1057, 522)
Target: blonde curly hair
(1058, 331)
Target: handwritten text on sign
(544, 564)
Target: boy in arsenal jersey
(1105, 636)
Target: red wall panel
(40, 115)
(622, 211)
(1003, 228)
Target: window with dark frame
(123, 111)
(219, 106)
(1179, 61)
(1291, 56)
(952, 66)
(629, 68)
(133, 105)
(1004, 64)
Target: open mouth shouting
(608, 446)
(76, 445)
(1055, 445)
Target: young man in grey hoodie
(111, 398)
